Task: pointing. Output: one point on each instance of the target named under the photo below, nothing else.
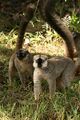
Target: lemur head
(23, 54)
(40, 61)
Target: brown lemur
(21, 61)
(58, 71)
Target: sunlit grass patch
(4, 115)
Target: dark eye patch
(21, 54)
(39, 61)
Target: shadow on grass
(5, 54)
(11, 14)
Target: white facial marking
(43, 57)
(35, 65)
(45, 64)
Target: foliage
(75, 23)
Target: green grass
(19, 104)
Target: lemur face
(21, 54)
(40, 61)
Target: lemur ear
(44, 56)
(35, 57)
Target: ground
(19, 104)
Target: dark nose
(39, 61)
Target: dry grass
(19, 104)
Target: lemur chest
(26, 67)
